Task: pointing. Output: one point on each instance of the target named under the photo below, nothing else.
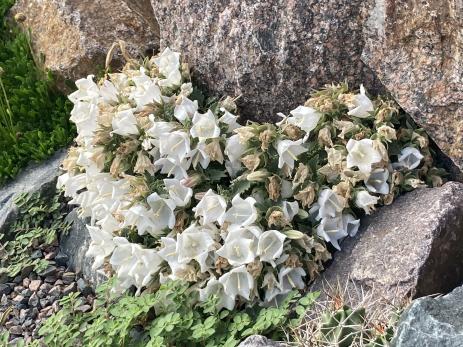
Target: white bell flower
(362, 154)
(211, 208)
(234, 149)
(270, 246)
(146, 91)
(174, 145)
(237, 281)
(242, 212)
(194, 244)
(305, 118)
(173, 167)
(87, 91)
(109, 223)
(290, 278)
(290, 209)
(109, 93)
(159, 129)
(362, 105)
(124, 123)
(366, 201)
(329, 204)
(139, 216)
(237, 249)
(350, 224)
(84, 116)
(331, 229)
(214, 287)
(233, 168)
(272, 287)
(149, 262)
(168, 251)
(185, 109)
(409, 158)
(199, 155)
(204, 126)
(229, 119)
(288, 151)
(179, 194)
(101, 246)
(163, 211)
(168, 64)
(377, 181)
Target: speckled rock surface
(259, 341)
(75, 35)
(411, 248)
(431, 322)
(415, 48)
(270, 52)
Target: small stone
(55, 292)
(16, 330)
(68, 277)
(25, 272)
(5, 289)
(50, 256)
(18, 279)
(37, 254)
(18, 289)
(61, 259)
(33, 300)
(83, 287)
(20, 299)
(4, 299)
(69, 289)
(35, 285)
(50, 279)
(28, 323)
(45, 287)
(55, 306)
(26, 282)
(26, 293)
(44, 303)
(49, 271)
(59, 283)
(41, 294)
(22, 315)
(84, 308)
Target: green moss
(39, 113)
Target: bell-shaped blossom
(242, 212)
(168, 251)
(204, 126)
(272, 287)
(162, 211)
(237, 281)
(290, 209)
(331, 229)
(199, 156)
(288, 151)
(84, 116)
(362, 105)
(146, 91)
(237, 249)
(377, 181)
(409, 158)
(168, 64)
(290, 278)
(124, 123)
(350, 224)
(229, 119)
(140, 217)
(179, 194)
(362, 154)
(306, 118)
(194, 244)
(109, 92)
(101, 246)
(87, 91)
(366, 201)
(109, 223)
(185, 109)
(328, 204)
(234, 149)
(159, 129)
(173, 167)
(175, 145)
(214, 287)
(211, 208)
(270, 246)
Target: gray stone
(411, 248)
(35, 178)
(75, 35)
(69, 289)
(75, 244)
(5, 289)
(33, 300)
(430, 322)
(259, 341)
(83, 287)
(84, 308)
(415, 50)
(35, 285)
(272, 53)
(49, 271)
(61, 259)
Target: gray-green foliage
(39, 222)
(169, 317)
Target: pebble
(68, 277)
(49, 271)
(26, 272)
(35, 285)
(33, 300)
(45, 287)
(26, 282)
(50, 256)
(61, 259)
(83, 287)
(50, 279)
(16, 330)
(5, 289)
(84, 308)
(37, 254)
(69, 289)
(55, 292)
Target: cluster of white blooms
(175, 189)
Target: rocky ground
(29, 298)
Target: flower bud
(293, 234)
(192, 181)
(387, 133)
(258, 176)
